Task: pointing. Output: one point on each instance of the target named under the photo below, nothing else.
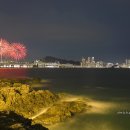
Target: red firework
(4, 48)
(18, 51)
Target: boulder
(60, 112)
(25, 101)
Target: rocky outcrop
(25, 101)
(60, 112)
(42, 106)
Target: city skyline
(68, 29)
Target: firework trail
(18, 51)
(4, 48)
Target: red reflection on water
(13, 73)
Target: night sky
(69, 29)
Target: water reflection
(13, 73)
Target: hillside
(62, 61)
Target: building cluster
(126, 64)
(88, 62)
(91, 63)
(57, 64)
(13, 64)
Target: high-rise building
(88, 62)
(89, 59)
(83, 62)
(92, 59)
(127, 62)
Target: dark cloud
(68, 28)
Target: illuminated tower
(92, 60)
(89, 59)
(83, 62)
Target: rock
(24, 101)
(61, 111)
(12, 121)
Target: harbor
(89, 62)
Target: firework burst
(18, 51)
(4, 48)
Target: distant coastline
(52, 62)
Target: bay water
(107, 90)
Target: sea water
(107, 90)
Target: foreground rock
(42, 106)
(10, 121)
(60, 112)
(25, 101)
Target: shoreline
(61, 68)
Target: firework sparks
(18, 51)
(4, 48)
